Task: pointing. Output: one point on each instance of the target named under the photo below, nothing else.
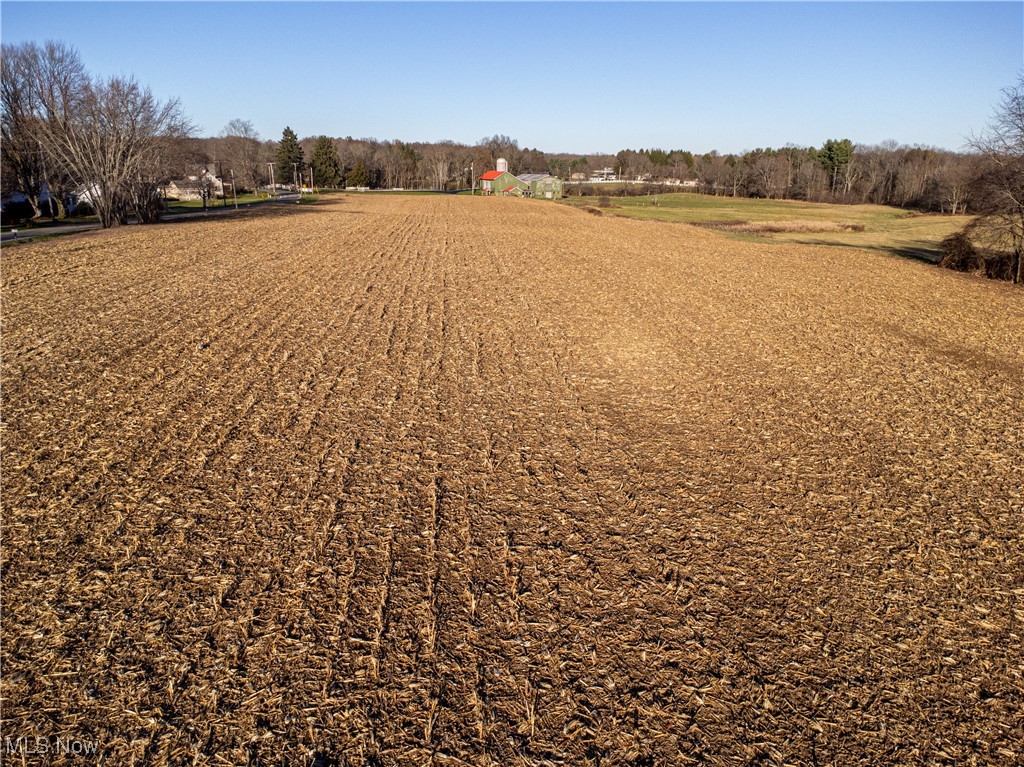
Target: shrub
(17, 213)
(998, 266)
(959, 254)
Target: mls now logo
(44, 745)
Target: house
(181, 189)
(48, 203)
(15, 208)
(500, 181)
(194, 185)
(85, 195)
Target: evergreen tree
(834, 156)
(658, 156)
(288, 153)
(325, 163)
(358, 176)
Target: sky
(560, 77)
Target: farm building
(543, 185)
(500, 181)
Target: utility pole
(273, 186)
(46, 180)
(295, 175)
(234, 189)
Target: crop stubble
(444, 480)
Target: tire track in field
(287, 597)
(712, 549)
(155, 460)
(565, 544)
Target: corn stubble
(409, 481)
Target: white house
(603, 175)
(191, 186)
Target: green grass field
(874, 227)
(188, 206)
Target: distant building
(543, 185)
(48, 203)
(194, 186)
(605, 174)
(500, 181)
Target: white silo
(502, 166)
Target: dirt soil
(440, 481)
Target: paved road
(46, 231)
(62, 229)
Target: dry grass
(780, 227)
(441, 480)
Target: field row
(425, 480)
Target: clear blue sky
(561, 77)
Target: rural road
(46, 231)
(61, 229)
(444, 480)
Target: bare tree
(767, 173)
(954, 183)
(707, 172)
(20, 149)
(240, 150)
(113, 137)
(998, 191)
(389, 158)
(500, 146)
(881, 171)
(439, 159)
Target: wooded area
(925, 178)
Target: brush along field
(446, 480)
(867, 227)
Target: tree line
(112, 142)
(923, 178)
(918, 177)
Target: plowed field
(436, 480)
